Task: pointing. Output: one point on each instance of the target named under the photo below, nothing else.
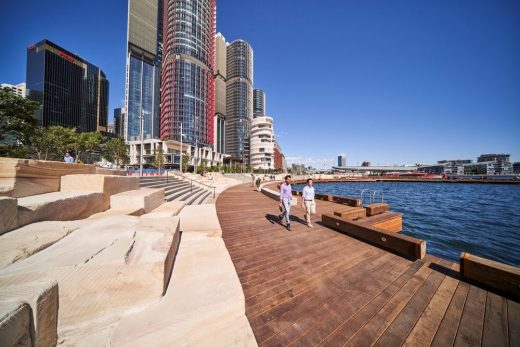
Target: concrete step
(178, 193)
(58, 206)
(203, 198)
(191, 200)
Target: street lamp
(141, 118)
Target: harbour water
(482, 219)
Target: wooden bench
(390, 221)
(378, 208)
(347, 201)
(496, 275)
(351, 213)
(400, 244)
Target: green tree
(185, 162)
(17, 122)
(87, 143)
(51, 143)
(116, 151)
(158, 161)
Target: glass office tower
(239, 99)
(72, 92)
(187, 93)
(143, 68)
(258, 103)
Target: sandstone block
(19, 187)
(106, 184)
(24, 177)
(105, 171)
(200, 218)
(42, 296)
(30, 239)
(208, 316)
(58, 206)
(146, 198)
(113, 212)
(15, 323)
(168, 209)
(8, 214)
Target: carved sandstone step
(145, 198)
(8, 214)
(106, 184)
(58, 206)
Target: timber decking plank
(495, 322)
(349, 327)
(400, 328)
(445, 335)
(424, 330)
(513, 317)
(472, 320)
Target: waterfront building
(279, 158)
(187, 89)
(494, 167)
(258, 103)
(120, 116)
(455, 167)
(342, 160)
(516, 167)
(239, 99)
(220, 94)
(494, 157)
(18, 89)
(143, 68)
(197, 155)
(262, 143)
(298, 169)
(72, 92)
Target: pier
(317, 286)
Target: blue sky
(384, 81)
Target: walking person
(285, 201)
(308, 203)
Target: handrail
(192, 180)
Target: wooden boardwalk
(309, 287)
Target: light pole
(181, 148)
(142, 143)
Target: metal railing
(191, 182)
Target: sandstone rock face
(15, 323)
(42, 296)
(145, 198)
(108, 185)
(193, 312)
(114, 212)
(30, 239)
(24, 177)
(58, 206)
(107, 269)
(8, 214)
(200, 218)
(168, 209)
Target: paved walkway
(316, 286)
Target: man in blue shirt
(68, 158)
(308, 203)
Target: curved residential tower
(239, 99)
(187, 84)
(262, 143)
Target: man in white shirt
(308, 203)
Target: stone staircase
(177, 189)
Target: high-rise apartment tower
(187, 85)
(239, 99)
(258, 103)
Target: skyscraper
(119, 121)
(143, 67)
(187, 93)
(220, 93)
(239, 99)
(258, 103)
(342, 160)
(72, 92)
